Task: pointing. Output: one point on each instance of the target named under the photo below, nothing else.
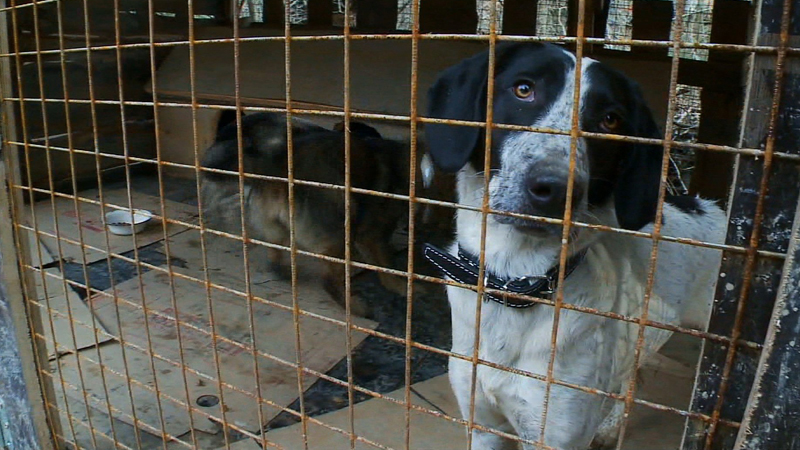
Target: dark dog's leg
(334, 283)
(378, 252)
(265, 228)
(279, 260)
(372, 239)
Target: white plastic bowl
(124, 223)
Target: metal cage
(742, 396)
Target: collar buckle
(551, 287)
(530, 279)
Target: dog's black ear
(460, 94)
(636, 193)
(222, 155)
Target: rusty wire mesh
(684, 45)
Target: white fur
(591, 351)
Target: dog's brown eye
(611, 122)
(524, 91)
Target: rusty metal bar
(677, 31)
(605, 228)
(243, 221)
(129, 190)
(565, 230)
(398, 118)
(287, 38)
(487, 159)
(686, 241)
(664, 326)
(704, 335)
(366, 391)
(412, 180)
(348, 183)
(162, 206)
(737, 48)
(14, 206)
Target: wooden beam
(27, 394)
(774, 404)
(752, 309)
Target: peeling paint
(15, 413)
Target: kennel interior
(176, 336)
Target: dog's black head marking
(610, 103)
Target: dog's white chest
(591, 350)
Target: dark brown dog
(376, 164)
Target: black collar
(464, 269)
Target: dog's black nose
(547, 193)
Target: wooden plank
(774, 404)
(383, 422)
(133, 17)
(69, 315)
(140, 131)
(774, 236)
(25, 393)
(14, 402)
(178, 143)
(380, 71)
(770, 420)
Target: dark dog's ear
(460, 94)
(227, 116)
(636, 193)
(359, 129)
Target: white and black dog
(615, 184)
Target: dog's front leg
(608, 431)
(572, 415)
(485, 413)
